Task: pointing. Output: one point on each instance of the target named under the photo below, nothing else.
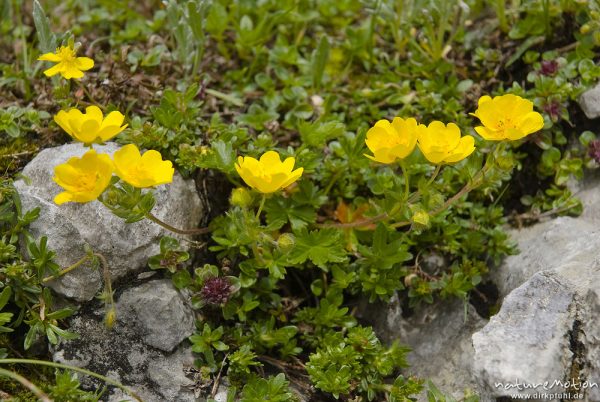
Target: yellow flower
(391, 141)
(268, 174)
(142, 171)
(91, 126)
(69, 66)
(507, 117)
(84, 179)
(443, 144)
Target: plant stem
(262, 204)
(173, 229)
(66, 270)
(406, 180)
(26, 383)
(78, 369)
(90, 97)
(109, 301)
(332, 181)
(437, 170)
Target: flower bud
(286, 241)
(241, 197)
(110, 317)
(421, 218)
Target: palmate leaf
(384, 252)
(319, 246)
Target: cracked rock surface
(439, 336)
(142, 352)
(68, 227)
(547, 328)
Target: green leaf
(319, 246)
(319, 61)
(181, 279)
(317, 134)
(5, 296)
(31, 334)
(47, 41)
(282, 210)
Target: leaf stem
(262, 204)
(66, 270)
(406, 180)
(173, 229)
(437, 170)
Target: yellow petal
(490, 135)
(84, 63)
(50, 57)
(531, 122)
(70, 71)
(484, 99)
(125, 159)
(62, 198)
(288, 164)
(295, 175)
(377, 138)
(109, 132)
(52, 71)
(435, 157)
(94, 113)
(464, 149)
(62, 119)
(112, 119)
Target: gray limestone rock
(135, 353)
(439, 336)
(590, 102)
(158, 312)
(529, 340)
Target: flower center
(505, 123)
(87, 181)
(66, 54)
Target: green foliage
(27, 304)
(204, 82)
(356, 361)
(170, 256)
(66, 388)
(16, 121)
(127, 202)
(274, 388)
(206, 341)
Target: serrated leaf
(320, 247)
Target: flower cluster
(84, 179)
(506, 117)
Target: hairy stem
(66, 270)
(262, 204)
(173, 229)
